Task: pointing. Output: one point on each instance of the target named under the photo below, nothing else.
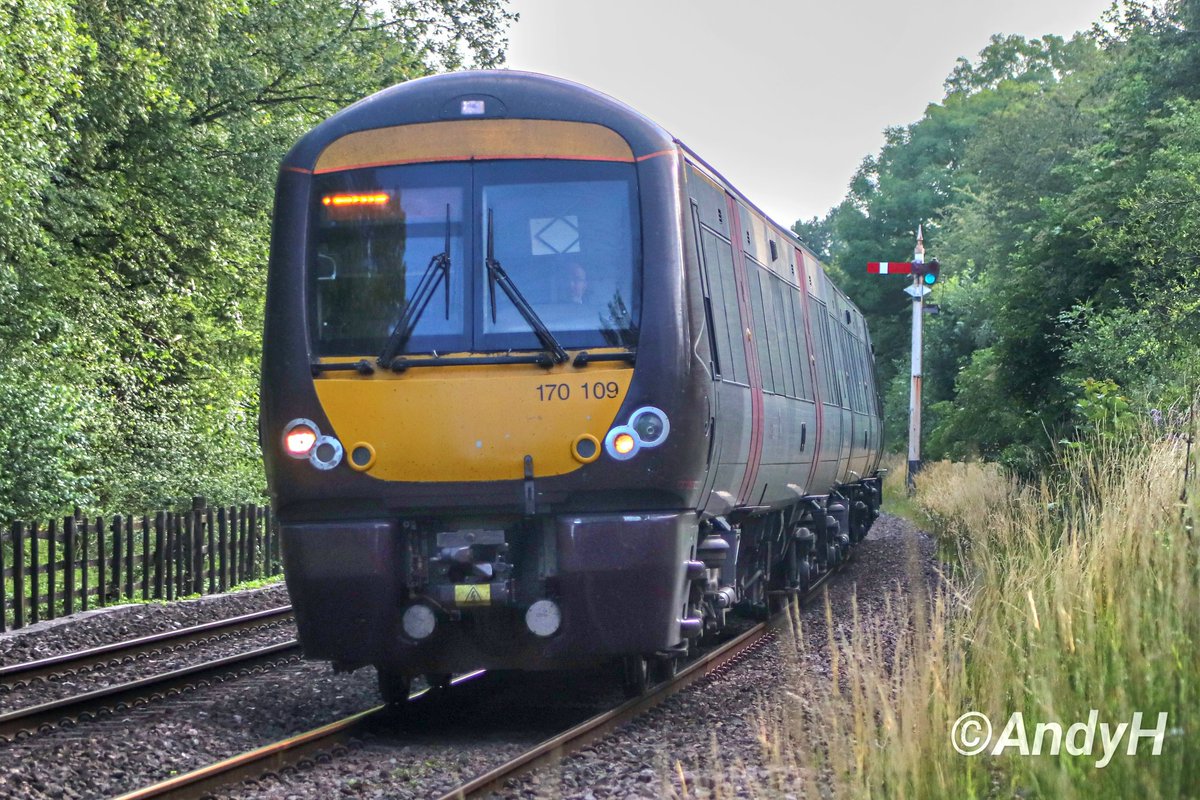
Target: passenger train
(542, 390)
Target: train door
(842, 358)
(741, 268)
(731, 412)
(827, 469)
(876, 401)
(718, 354)
(860, 439)
(812, 369)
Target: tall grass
(1081, 592)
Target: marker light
(339, 200)
(621, 443)
(419, 622)
(299, 437)
(585, 448)
(651, 425)
(326, 453)
(362, 457)
(543, 618)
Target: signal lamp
(928, 273)
(299, 437)
(622, 443)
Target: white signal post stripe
(889, 267)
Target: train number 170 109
(598, 390)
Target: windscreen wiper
(437, 272)
(497, 275)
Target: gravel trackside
(117, 623)
(706, 742)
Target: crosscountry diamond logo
(554, 235)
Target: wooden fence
(75, 564)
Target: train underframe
(439, 595)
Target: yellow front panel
(474, 139)
(473, 423)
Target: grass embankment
(1081, 593)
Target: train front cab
(569, 591)
(428, 556)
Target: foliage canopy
(138, 146)
(1059, 184)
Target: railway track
(327, 740)
(56, 667)
(47, 716)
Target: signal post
(923, 277)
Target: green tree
(1059, 182)
(134, 257)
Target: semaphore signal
(889, 267)
(927, 273)
(924, 275)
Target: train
(541, 390)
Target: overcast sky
(783, 97)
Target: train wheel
(803, 574)
(394, 686)
(635, 675)
(664, 668)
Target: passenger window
(754, 274)
(718, 261)
(714, 307)
(803, 377)
(787, 339)
(834, 378)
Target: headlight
(326, 453)
(299, 437)
(648, 427)
(622, 443)
(651, 425)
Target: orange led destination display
(341, 200)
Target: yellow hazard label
(474, 594)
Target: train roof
(506, 94)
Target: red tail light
(299, 438)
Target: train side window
(842, 361)
(714, 308)
(847, 367)
(852, 374)
(786, 336)
(834, 379)
(774, 343)
(868, 379)
(863, 388)
(869, 366)
(862, 379)
(718, 260)
(804, 379)
(761, 346)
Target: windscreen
(377, 232)
(565, 233)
